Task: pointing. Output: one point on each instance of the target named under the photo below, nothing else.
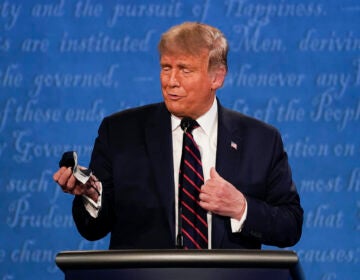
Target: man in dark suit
(248, 192)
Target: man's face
(188, 88)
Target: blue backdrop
(66, 64)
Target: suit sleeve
(277, 219)
(89, 227)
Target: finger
(205, 188)
(208, 201)
(71, 184)
(204, 197)
(58, 173)
(210, 206)
(205, 205)
(209, 187)
(79, 190)
(64, 177)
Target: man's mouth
(173, 96)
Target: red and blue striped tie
(193, 229)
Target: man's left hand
(221, 197)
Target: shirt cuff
(92, 207)
(237, 225)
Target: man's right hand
(69, 184)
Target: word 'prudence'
(22, 216)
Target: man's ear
(218, 77)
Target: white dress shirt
(206, 138)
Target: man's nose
(174, 82)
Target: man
(248, 192)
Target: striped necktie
(193, 230)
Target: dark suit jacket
(132, 157)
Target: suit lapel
(159, 143)
(228, 158)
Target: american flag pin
(233, 145)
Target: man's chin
(175, 110)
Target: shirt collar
(206, 121)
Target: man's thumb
(214, 174)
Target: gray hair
(192, 38)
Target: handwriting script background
(64, 65)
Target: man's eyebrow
(164, 64)
(180, 65)
(184, 65)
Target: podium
(180, 264)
